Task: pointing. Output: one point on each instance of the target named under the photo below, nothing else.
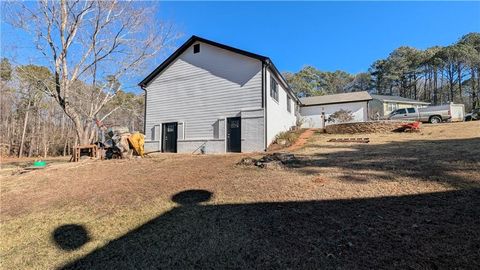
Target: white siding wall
(311, 114)
(201, 90)
(278, 118)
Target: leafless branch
(87, 40)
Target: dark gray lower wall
(193, 146)
(253, 136)
(253, 131)
(151, 146)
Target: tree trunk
(459, 75)
(426, 80)
(478, 86)
(62, 126)
(65, 145)
(83, 134)
(45, 142)
(451, 82)
(441, 88)
(22, 141)
(415, 85)
(435, 90)
(472, 81)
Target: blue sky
(328, 35)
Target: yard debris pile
(363, 127)
(116, 142)
(409, 127)
(272, 161)
(121, 143)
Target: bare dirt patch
(402, 201)
(302, 140)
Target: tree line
(34, 124)
(437, 75)
(88, 48)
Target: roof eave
(284, 81)
(335, 102)
(404, 101)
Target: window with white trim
(289, 104)
(273, 88)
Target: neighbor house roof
(336, 98)
(194, 39)
(397, 99)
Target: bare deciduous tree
(90, 45)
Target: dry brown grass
(402, 201)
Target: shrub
(289, 137)
(299, 122)
(341, 116)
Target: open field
(404, 200)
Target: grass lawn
(404, 200)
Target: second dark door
(234, 134)
(169, 142)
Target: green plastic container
(39, 164)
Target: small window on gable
(196, 48)
(289, 104)
(273, 88)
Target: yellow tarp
(137, 140)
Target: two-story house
(211, 97)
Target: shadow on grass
(426, 231)
(70, 236)
(451, 162)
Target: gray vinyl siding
(201, 90)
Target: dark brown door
(169, 135)
(234, 134)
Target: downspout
(144, 110)
(264, 103)
(368, 111)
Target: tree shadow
(451, 162)
(70, 236)
(426, 231)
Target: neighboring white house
(211, 97)
(314, 108)
(384, 105)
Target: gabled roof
(194, 39)
(397, 99)
(336, 98)
(185, 46)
